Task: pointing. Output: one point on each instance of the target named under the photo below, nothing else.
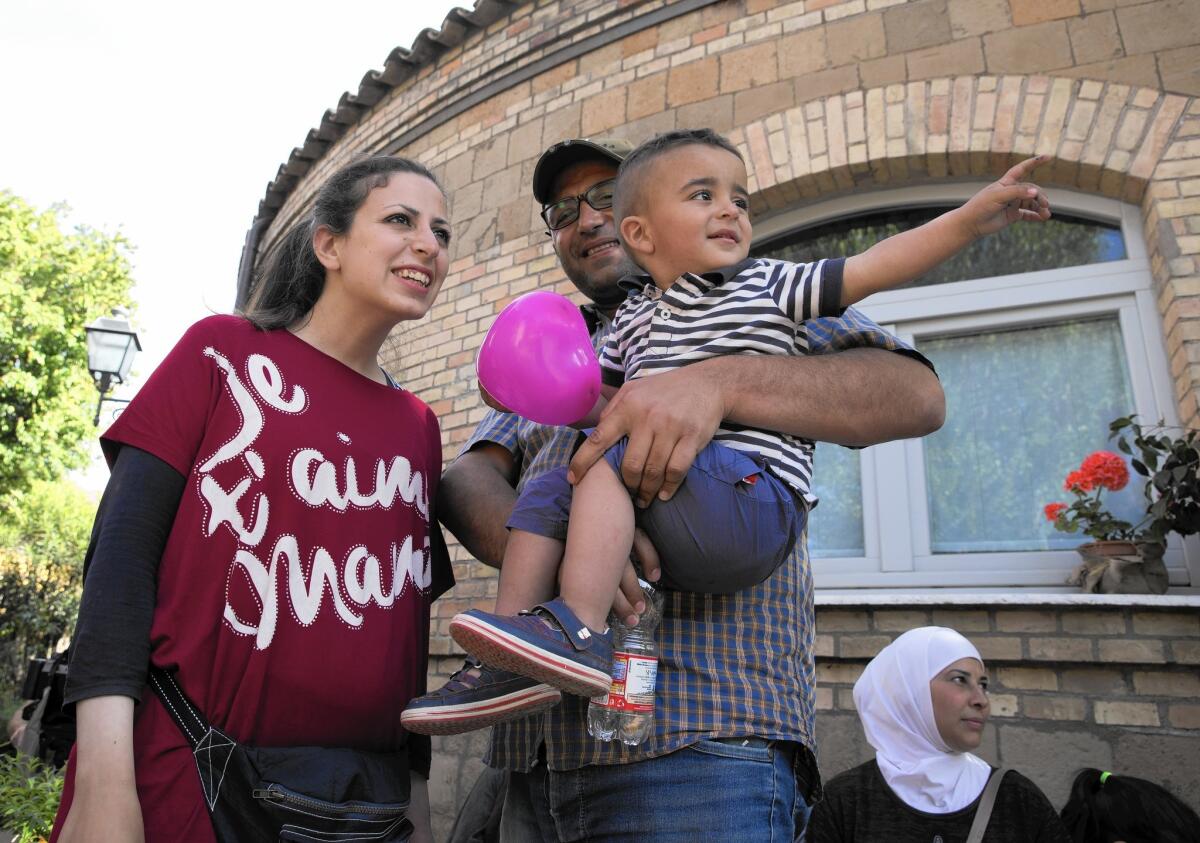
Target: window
(1041, 334)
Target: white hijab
(896, 708)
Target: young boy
(681, 207)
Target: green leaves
(1171, 465)
(51, 285)
(43, 539)
(29, 795)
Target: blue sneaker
(475, 697)
(548, 644)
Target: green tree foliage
(43, 539)
(51, 285)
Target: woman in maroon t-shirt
(291, 582)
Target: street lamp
(111, 345)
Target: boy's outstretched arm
(911, 254)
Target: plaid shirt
(730, 665)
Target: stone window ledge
(1177, 598)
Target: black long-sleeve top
(859, 807)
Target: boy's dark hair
(631, 174)
(1104, 808)
(292, 278)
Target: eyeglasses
(565, 211)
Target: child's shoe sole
(475, 697)
(469, 717)
(493, 644)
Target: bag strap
(186, 716)
(986, 802)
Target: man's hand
(1008, 200)
(631, 600)
(668, 418)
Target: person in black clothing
(923, 703)
(1107, 808)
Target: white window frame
(896, 527)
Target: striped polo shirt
(758, 306)
(730, 665)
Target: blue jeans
(711, 790)
(526, 814)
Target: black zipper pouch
(304, 793)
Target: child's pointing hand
(1006, 201)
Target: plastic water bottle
(604, 712)
(626, 713)
(640, 652)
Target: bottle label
(616, 691)
(640, 675)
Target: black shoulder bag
(302, 793)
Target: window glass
(835, 526)
(1023, 407)
(1061, 241)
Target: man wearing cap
(731, 753)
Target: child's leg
(599, 538)
(558, 642)
(537, 528)
(528, 572)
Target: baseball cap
(565, 153)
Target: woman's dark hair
(292, 278)
(1104, 808)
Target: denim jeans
(711, 790)
(526, 815)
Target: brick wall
(824, 98)
(1114, 687)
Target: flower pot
(1118, 567)
(1108, 549)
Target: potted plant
(1125, 557)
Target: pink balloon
(538, 360)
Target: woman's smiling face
(960, 703)
(395, 255)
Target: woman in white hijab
(923, 703)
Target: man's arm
(859, 396)
(475, 498)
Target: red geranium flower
(1053, 510)
(1104, 468)
(1077, 481)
